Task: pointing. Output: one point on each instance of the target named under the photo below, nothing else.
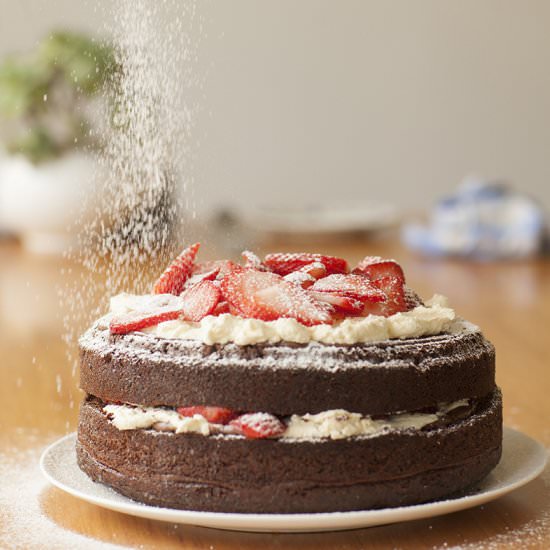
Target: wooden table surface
(39, 397)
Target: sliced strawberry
(268, 297)
(222, 307)
(353, 286)
(222, 266)
(305, 280)
(215, 415)
(258, 425)
(375, 267)
(307, 275)
(317, 270)
(395, 298)
(236, 312)
(251, 260)
(200, 300)
(136, 320)
(176, 274)
(198, 277)
(351, 306)
(285, 263)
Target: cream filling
(433, 318)
(126, 417)
(333, 424)
(340, 424)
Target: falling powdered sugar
(144, 181)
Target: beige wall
(321, 100)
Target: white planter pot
(45, 205)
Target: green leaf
(22, 87)
(37, 145)
(84, 62)
(48, 86)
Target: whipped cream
(340, 424)
(126, 417)
(433, 318)
(333, 424)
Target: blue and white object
(483, 220)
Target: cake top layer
(288, 297)
(286, 378)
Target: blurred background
(317, 104)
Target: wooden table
(39, 396)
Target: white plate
(523, 459)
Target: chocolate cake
(289, 419)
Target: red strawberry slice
(307, 275)
(252, 261)
(395, 298)
(200, 300)
(268, 297)
(285, 263)
(198, 277)
(304, 280)
(221, 266)
(234, 311)
(353, 286)
(375, 267)
(258, 425)
(136, 320)
(317, 270)
(176, 274)
(214, 415)
(346, 304)
(222, 307)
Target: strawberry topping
(251, 260)
(215, 415)
(311, 288)
(283, 264)
(200, 300)
(268, 297)
(198, 277)
(137, 320)
(317, 270)
(353, 286)
(307, 275)
(348, 305)
(305, 280)
(395, 298)
(222, 307)
(375, 267)
(173, 279)
(258, 425)
(222, 268)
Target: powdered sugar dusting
(533, 533)
(145, 182)
(23, 523)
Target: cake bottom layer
(235, 474)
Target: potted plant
(48, 176)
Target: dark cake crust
(379, 378)
(234, 474)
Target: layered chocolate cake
(286, 385)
